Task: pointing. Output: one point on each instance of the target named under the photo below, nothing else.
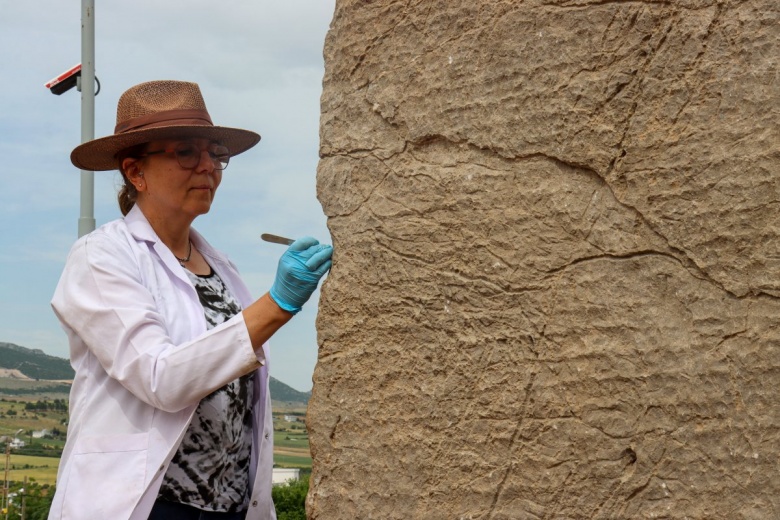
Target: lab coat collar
(139, 227)
(141, 230)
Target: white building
(283, 475)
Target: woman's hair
(127, 193)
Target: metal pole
(6, 502)
(24, 496)
(5, 487)
(87, 216)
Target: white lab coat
(144, 358)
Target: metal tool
(276, 239)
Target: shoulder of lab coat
(126, 297)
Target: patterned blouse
(210, 470)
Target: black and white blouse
(210, 470)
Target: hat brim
(100, 154)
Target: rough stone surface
(556, 284)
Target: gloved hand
(299, 271)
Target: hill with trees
(34, 363)
(17, 362)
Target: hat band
(167, 118)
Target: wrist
(263, 318)
(284, 310)
(279, 301)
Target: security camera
(65, 81)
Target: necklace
(183, 261)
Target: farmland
(34, 392)
(39, 459)
(42, 470)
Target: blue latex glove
(299, 271)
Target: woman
(170, 415)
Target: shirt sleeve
(103, 301)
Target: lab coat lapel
(142, 231)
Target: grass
(291, 442)
(291, 449)
(291, 461)
(13, 417)
(42, 470)
(34, 389)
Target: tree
(290, 499)
(37, 501)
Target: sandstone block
(556, 282)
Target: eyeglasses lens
(188, 155)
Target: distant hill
(282, 392)
(36, 364)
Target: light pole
(87, 214)
(83, 76)
(7, 464)
(24, 498)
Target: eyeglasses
(188, 155)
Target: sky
(259, 66)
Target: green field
(42, 470)
(291, 442)
(14, 416)
(291, 449)
(291, 461)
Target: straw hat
(158, 110)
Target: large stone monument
(556, 283)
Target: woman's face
(170, 190)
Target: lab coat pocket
(106, 477)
